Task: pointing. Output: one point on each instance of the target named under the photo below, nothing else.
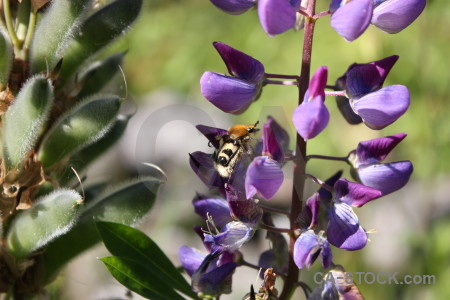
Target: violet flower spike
(368, 169)
(311, 117)
(233, 94)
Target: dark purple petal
(354, 194)
(366, 78)
(276, 16)
(240, 64)
(344, 230)
(373, 151)
(352, 19)
(318, 83)
(327, 256)
(383, 107)
(325, 195)
(202, 164)
(310, 118)
(190, 259)
(343, 103)
(312, 206)
(246, 211)
(230, 94)
(386, 177)
(271, 146)
(234, 7)
(216, 208)
(234, 235)
(212, 134)
(393, 16)
(334, 5)
(264, 177)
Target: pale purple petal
(235, 234)
(312, 206)
(383, 107)
(264, 177)
(393, 16)
(318, 83)
(276, 16)
(240, 64)
(310, 118)
(354, 194)
(230, 94)
(234, 7)
(216, 208)
(190, 259)
(202, 164)
(344, 230)
(386, 177)
(211, 133)
(373, 151)
(303, 246)
(352, 19)
(365, 78)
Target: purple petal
(211, 133)
(352, 19)
(276, 16)
(386, 177)
(190, 259)
(303, 246)
(344, 230)
(393, 16)
(383, 107)
(275, 140)
(246, 211)
(233, 237)
(240, 64)
(230, 94)
(366, 78)
(312, 205)
(325, 195)
(327, 256)
(310, 118)
(334, 5)
(234, 7)
(318, 83)
(202, 164)
(264, 177)
(354, 194)
(373, 151)
(216, 208)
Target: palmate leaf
(127, 242)
(135, 276)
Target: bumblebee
(232, 146)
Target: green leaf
(97, 31)
(124, 241)
(51, 216)
(99, 74)
(83, 125)
(6, 57)
(57, 26)
(127, 204)
(25, 119)
(136, 277)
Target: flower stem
(281, 82)
(30, 34)
(295, 77)
(320, 182)
(345, 158)
(274, 229)
(274, 210)
(10, 26)
(335, 93)
(300, 154)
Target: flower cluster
(244, 173)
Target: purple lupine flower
(308, 247)
(243, 209)
(351, 18)
(277, 16)
(343, 229)
(232, 236)
(234, 7)
(211, 273)
(275, 140)
(215, 208)
(377, 107)
(233, 94)
(368, 169)
(312, 116)
(203, 165)
(264, 177)
(392, 16)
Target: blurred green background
(171, 46)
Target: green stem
(29, 36)
(300, 155)
(10, 26)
